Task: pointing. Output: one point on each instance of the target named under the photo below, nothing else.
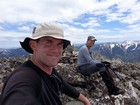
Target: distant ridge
(16, 52)
(127, 51)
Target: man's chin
(54, 64)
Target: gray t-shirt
(84, 56)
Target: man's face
(47, 51)
(91, 43)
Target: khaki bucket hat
(42, 30)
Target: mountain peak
(128, 51)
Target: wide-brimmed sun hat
(42, 30)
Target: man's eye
(48, 43)
(60, 45)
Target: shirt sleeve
(70, 90)
(21, 89)
(87, 55)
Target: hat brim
(25, 44)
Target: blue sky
(107, 20)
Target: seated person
(87, 65)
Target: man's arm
(72, 92)
(87, 55)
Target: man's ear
(32, 44)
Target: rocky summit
(126, 76)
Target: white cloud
(91, 23)
(1, 28)
(73, 14)
(11, 39)
(13, 35)
(54, 10)
(43, 10)
(24, 28)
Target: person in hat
(36, 81)
(87, 65)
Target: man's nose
(55, 48)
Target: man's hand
(83, 99)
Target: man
(87, 65)
(36, 82)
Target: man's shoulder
(23, 73)
(84, 47)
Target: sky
(107, 20)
